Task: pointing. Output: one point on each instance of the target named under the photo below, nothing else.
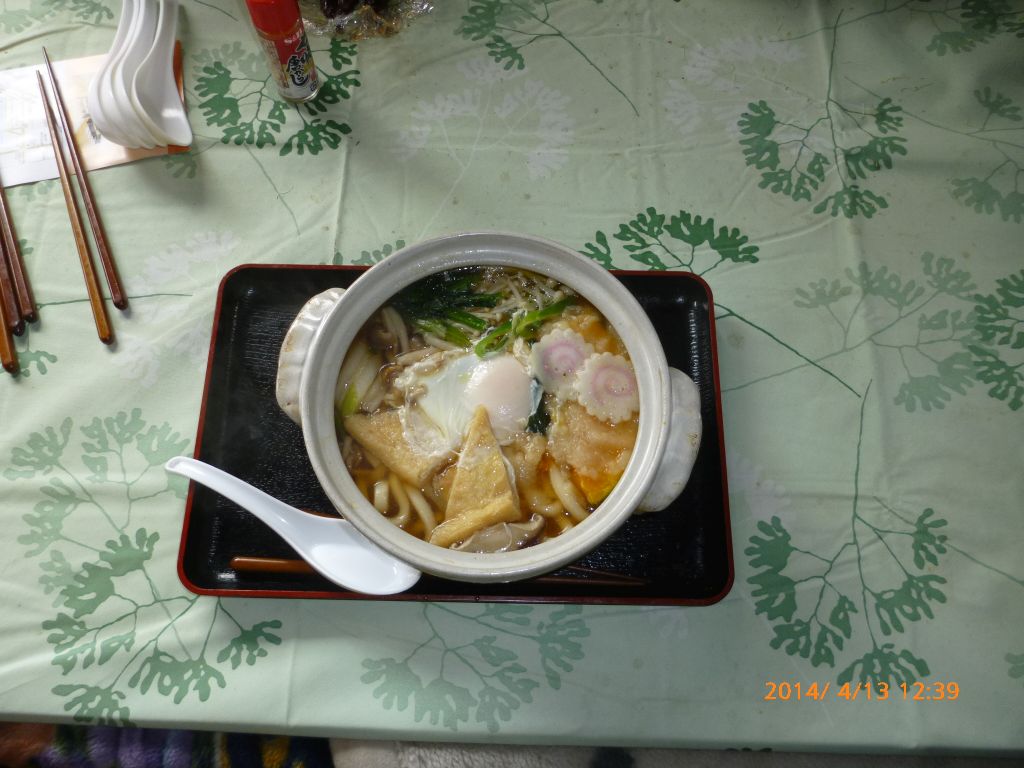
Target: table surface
(846, 176)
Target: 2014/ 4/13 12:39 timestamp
(871, 691)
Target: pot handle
(684, 435)
(295, 348)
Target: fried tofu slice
(597, 452)
(382, 435)
(481, 493)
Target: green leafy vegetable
(440, 303)
(520, 326)
(540, 420)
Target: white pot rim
(484, 248)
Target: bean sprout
(440, 343)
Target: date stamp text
(784, 690)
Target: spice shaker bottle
(281, 34)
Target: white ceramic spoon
(153, 92)
(101, 80)
(119, 108)
(332, 546)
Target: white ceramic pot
(669, 422)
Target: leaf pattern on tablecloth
(89, 11)
(998, 192)
(143, 359)
(32, 361)
(369, 258)
(818, 612)
(936, 328)
(18, 17)
(179, 268)
(237, 96)
(976, 22)
(496, 110)
(114, 628)
(689, 242)
(509, 26)
(764, 137)
(711, 87)
(1016, 666)
(661, 242)
(752, 493)
(37, 192)
(449, 679)
(182, 165)
(999, 352)
(525, 116)
(798, 159)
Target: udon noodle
(486, 409)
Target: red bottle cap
(275, 17)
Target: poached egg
(500, 383)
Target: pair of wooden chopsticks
(588, 576)
(16, 303)
(117, 296)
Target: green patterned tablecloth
(846, 176)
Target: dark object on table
(14, 267)
(339, 7)
(360, 19)
(680, 556)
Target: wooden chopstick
(109, 268)
(22, 291)
(270, 565)
(8, 356)
(252, 564)
(99, 310)
(11, 316)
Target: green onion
(551, 310)
(467, 319)
(493, 341)
(454, 336)
(350, 402)
(443, 330)
(520, 326)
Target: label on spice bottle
(291, 62)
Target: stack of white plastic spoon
(133, 99)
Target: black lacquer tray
(680, 556)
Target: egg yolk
(500, 384)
